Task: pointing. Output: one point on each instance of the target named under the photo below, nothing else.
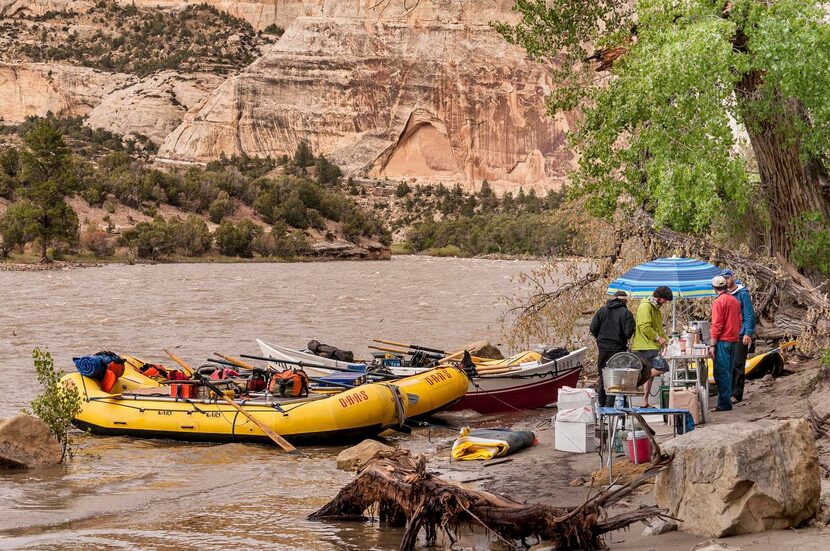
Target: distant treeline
(292, 194)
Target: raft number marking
(354, 398)
(437, 377)
(165, 412)
(213, 414)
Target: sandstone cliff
(153, 106)
(65, 90)
(433, 93)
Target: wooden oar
(179, 361)
(318, 366)
(278, 440)
(410, 346)
(231, 359)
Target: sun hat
(718, 282)
(727, 273)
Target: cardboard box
(574, 437)
(681, 398)
(574, 398)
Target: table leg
(612, 423)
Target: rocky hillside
(428, 93)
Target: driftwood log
(397, 488)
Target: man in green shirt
(650, 337)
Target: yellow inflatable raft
(150, 412)
(141, 407)
(431, 391)
(760, 365)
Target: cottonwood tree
(663, 86)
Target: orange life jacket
(289, 383)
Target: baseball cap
(622, 294)
(718, 282)
(727, 273)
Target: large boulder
(351, 459)
(741, 478)
(26, 442)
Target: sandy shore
(543, 475)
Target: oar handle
(179, 361)
(411, 346)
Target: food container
(620, 380)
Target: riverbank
(543, 475)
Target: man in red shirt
(723, 333)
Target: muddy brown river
(152, 494)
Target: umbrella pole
(674, 314)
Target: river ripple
(124, 493)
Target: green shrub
(812, 249)
(402, 190)
(237, 240)
(57, 405)
(221, 207)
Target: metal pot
(620, 379)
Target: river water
(149, 494)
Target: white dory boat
(525, 385)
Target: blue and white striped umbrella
(686, 277)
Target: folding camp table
(609, 415)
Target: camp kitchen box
(574, 437)
(570, 436)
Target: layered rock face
(433, 94)
(153, 106)
(741, 478)
(65, 90)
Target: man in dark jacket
(745, 336)
(612, 326)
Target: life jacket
(289, 383)
(224, 373)
(113, 372)
(155, 371)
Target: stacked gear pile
(105, 367)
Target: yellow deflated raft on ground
(141, 407)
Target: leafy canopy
(660, 127)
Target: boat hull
(529, 396)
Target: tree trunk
(792, 185)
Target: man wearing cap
(723, 333)
(741, 293)
(612, 326)
(650, 336)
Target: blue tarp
(94, 366)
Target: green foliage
(18, 225)
(533, 234)
(402, 190)
(160, 237)
(237, 239)
(58, 404)
(143, 40)
(659, 131)
(46, 178)
(327, 172)
(303, 156)
(274, 29)
(150, 240)
(221, 207)
(812, 250)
